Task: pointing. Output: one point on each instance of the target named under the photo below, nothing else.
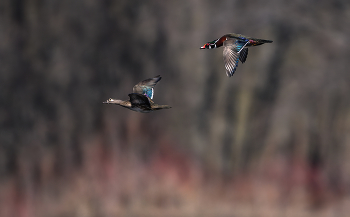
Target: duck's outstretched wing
(139, 100)
(232, 53)
(146, 87)
(243, 55)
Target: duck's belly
(137, 109)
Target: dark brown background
(273, 140)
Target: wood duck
(140, 99)
(235, 48)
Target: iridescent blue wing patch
(148, 92)
(240, 44)
(146, 87)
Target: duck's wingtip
(229, 74)
(156, 78)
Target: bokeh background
(273, 140)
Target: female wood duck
(140, 99)
(235, 48)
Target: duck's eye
(110, 99)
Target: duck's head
(112, 101)
(210, 45)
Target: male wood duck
(140, 99)
(235, 48)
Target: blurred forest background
(273, 140)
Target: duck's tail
(158, 107)
(266, 41)
(257, 42)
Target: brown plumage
(140, 99)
